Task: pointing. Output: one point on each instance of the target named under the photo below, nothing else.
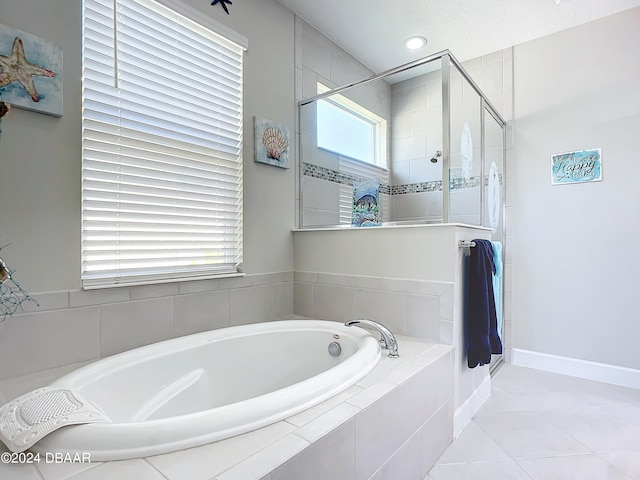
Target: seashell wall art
(272, 143)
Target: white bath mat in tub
(30, 417)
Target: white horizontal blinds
(162, 146)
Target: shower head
(436, 155)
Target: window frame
(214, 165)
(378, 127)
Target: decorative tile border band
(323, 173)
(459, 183)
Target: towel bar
(466, 244)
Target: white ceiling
(374, 31)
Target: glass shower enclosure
(424, 132)
(418, 144)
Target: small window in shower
(348, 129)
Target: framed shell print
(272, 143)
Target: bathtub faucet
(387, 341)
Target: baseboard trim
(470, 407)
(600, 372)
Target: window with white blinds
(161, 144)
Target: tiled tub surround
(418, 308)
(394, 423)
(379, 272)
(78, 326)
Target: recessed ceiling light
(414, 43)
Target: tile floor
(543, 426)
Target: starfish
(223, 3)
(16, 68)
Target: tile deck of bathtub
(249, 456)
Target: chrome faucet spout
(388, 340)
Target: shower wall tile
(303, 299)
(423, 170)
(446, 305)
(282, 299)
(507, 93)
(332, 278)
(266, 460)
(345, 69)
(399, 414)
(14, 387)
(508, 220)
(381, 306)
(128, 325)
(36, 341)
(313, 463)
(314, 412)
(66, 369)
(508, 278)
(429, 288)
(472, 64)
(408, 99)
(422, 317)
(434, 93)
(332, 302)
(489, 79)
(408, 148)
(437, 434)
(198, 286)
(314, 217)
(362, 281)
(84, 298)
(309, 83)
(446, 332)
(407, 307)
(400, 124)
(138, 469)
(17, 471)
(423, 206)
(47, 301)
(299, 276)
(207, 461)
(401, 172)
(509, 194)
(316, 55)
(201, 311)
(327, 422)
(492, 58)
(154, 291)
(251, 305)
(418, 121)
(56, 335)
(406, 462)
(321, 194)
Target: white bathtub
(209, 386)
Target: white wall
(40, 170)
(575, 265)
(40, 157)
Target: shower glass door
(493, 211)
(465, 155)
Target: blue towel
(481, 327)
(497, 283)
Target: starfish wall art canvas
(30, 71)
